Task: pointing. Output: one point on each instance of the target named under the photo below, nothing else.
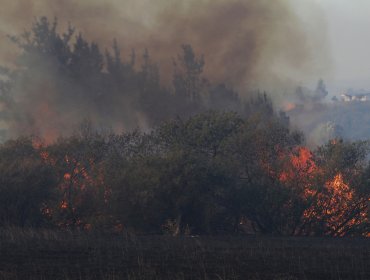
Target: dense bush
(26, 184)
(212, 173)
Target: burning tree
(340, 196)
(81, 190)
(333, 200)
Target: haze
(348, 26)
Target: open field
(31, 254)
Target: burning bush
(211, 173)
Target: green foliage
(258, 153)
(341, 156)
(212, 173)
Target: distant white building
(363, 97)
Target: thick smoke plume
(247, 44)
(242, 40)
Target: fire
(334, 205)
(63, 204)
(289, 107)
(67, 176)
(300, 166)
(79, 179)
(303, 159)
(44, 155)
(339, 187)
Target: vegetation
(210, 174)
(206, 162)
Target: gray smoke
(346, 117)
(247, 44)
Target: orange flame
(64, 204)
(333, 204)
(301, 165)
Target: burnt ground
(31, 254)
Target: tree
(43, 41)
(86, 62)
(258, 153)
(81, 188)
(340, 199)
(320, 91)
(174, 175)
(223, 98)
(187, 78)
(132, 170)
(195, 176)
(189, 85)
(154, 101)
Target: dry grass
(46, 254)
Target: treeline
(213, 173)
(60, 78)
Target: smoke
(247, 44)
(321, 122)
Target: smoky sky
(348, 24)
(246, 43)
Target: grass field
(37, 254)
